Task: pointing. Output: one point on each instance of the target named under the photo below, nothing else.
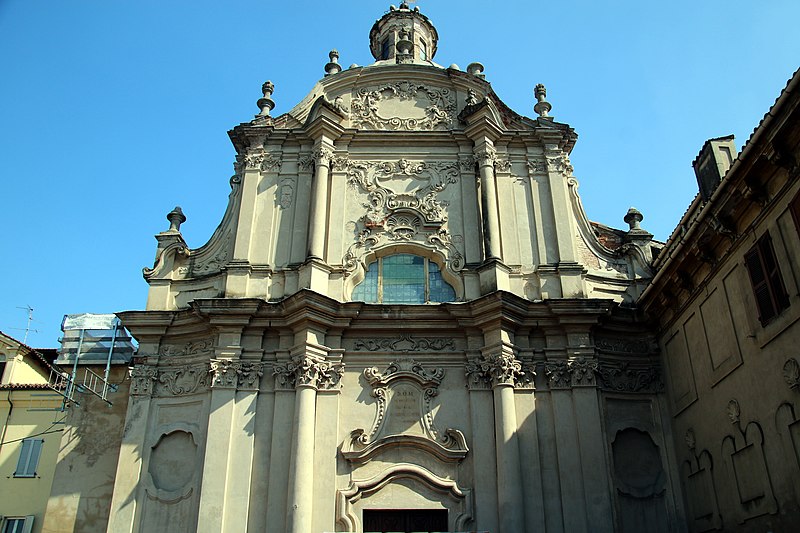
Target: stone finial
(632, 218)
(476, 69)
(542, 107)
(266, 104)
(176, 218)
(333, 67)
(404, 5)
(404, 46)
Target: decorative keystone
(176, 218)
(333, 67)
(266, 104)
(476, 69)
(542, 107)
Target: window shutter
(773, 274)
(28, 458)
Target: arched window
(403, 279)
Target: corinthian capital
(307, 371)
(486, 156)
(323, 155)
(498, 369)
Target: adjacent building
(31, 421)
(727, 301)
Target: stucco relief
(404, 415)
(201, 346)
(405, 343)
(181, 380)
(743, 456)
(698, 480)
(402, 206)
(403, 106)
(791, 373)
(623, 376)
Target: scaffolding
(89, 339)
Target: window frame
(26, 523)
(29, 454)
(794, 207)
(769, 289)
(378, 264)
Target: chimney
(711, 164)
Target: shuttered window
(765, 276)
(28, 458)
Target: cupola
(403, 35)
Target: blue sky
(113, 112)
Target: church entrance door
(405, 520)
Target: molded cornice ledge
(482, 120)
(324, 121)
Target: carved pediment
(404, 416)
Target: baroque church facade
(404, 320)
(403, 308)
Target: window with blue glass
(403, 279)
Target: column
(125, 499)
(307, 373)
(509, 480)
(485, 155)
(500, 369)
(318, 219)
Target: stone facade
(729, 336)
(265, 397)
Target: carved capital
(143, 377)
(536, 166)
(236, 374)
(486, 156)
(322, 156)
(307, 371)
(559, 163)
(253, 161)
(305, 162)
(272, 162)
(498, 369)
(582, 371)
(558, 375)
(502, 164)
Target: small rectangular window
(423, 50)
(22, 524)
(28, 458)
(765, 276)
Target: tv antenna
(28, 325)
